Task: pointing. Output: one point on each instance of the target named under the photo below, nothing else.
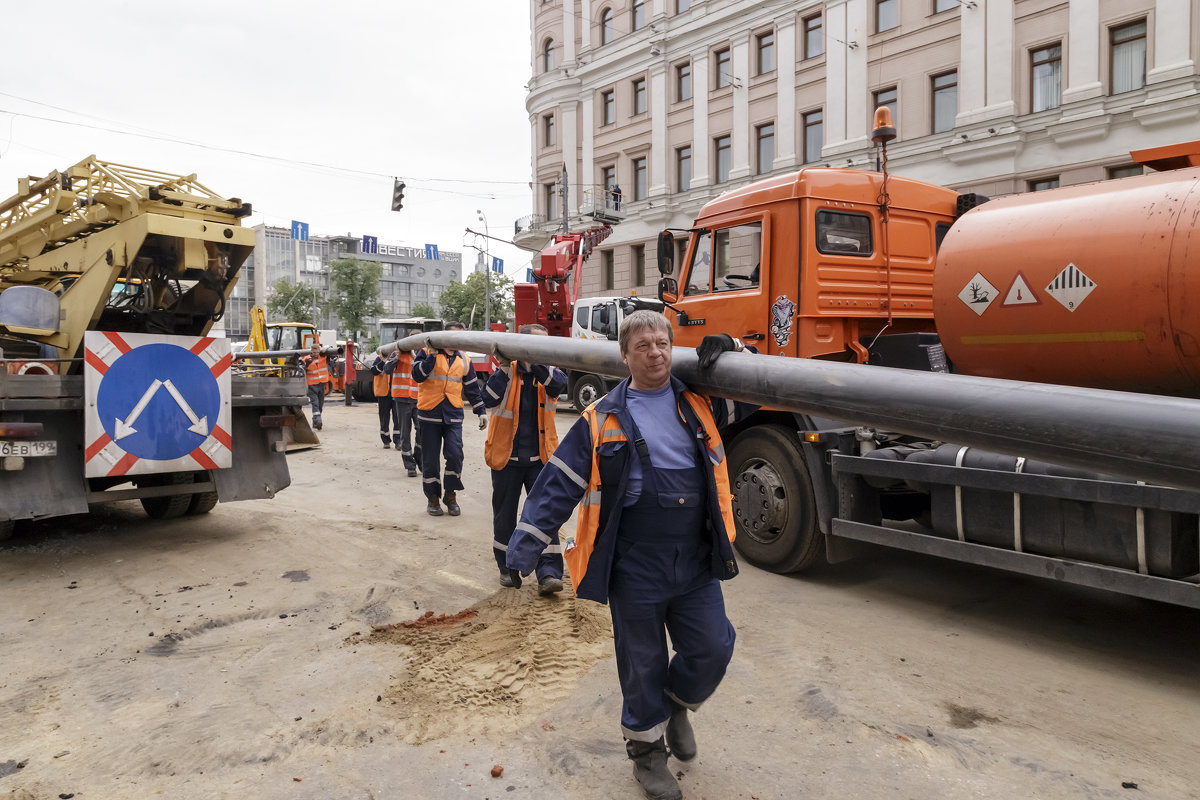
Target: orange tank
(1093, 285)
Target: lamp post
(487, 270)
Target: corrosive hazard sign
(155, 404)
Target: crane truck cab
(600, 318)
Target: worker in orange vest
(382, 370)
(316, 375)
(522, 398)
(444, 376)
(404, 398)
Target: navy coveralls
(440, 428)
(525, 463)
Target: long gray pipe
(1139, 436)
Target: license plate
(29, 449)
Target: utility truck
(110, 279)
(1088, 286)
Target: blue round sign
(158, 401)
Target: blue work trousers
(662, 584)
(506, 497)
(438, 439)
(316, 399)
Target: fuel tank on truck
(1092, 285)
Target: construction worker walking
(443, 377)
(383, 369)
(404, 399)
(522, 398)
(316, 375)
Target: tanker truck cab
(807, 265)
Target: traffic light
(398, 195)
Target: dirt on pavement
(338, 642)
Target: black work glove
(515, 575)
(712, 346)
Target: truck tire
(172, 505)
(773, 502)
(202, 503)
(588, 389)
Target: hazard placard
(1070, 287)
(155, 404)
(1019, 293)
(978, 294)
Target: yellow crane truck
(110, 386)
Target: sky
(306, 110)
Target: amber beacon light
(884, 130)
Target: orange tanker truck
(1095, 286)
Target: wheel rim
(759, 501)
(587, 395)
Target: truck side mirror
(668, 290)
(666, 253)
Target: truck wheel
(773, 502)
(588, 390)
(171, 506)
(202, 503)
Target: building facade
(677, 101)
(411, 275)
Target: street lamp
(487, 269)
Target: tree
(423, 310)
(292, 302)
(459, 300)
(355, 286)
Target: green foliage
(355, 287)
(458, 300)
(292, 302)
(424, 310)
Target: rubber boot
(680, 737)
(452, 504)
(434, 508)
(650, 769)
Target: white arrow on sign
(125, 428)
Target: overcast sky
(432, 93)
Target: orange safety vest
(507, 416)
(607, 428)
(316, 371)
(381, 384)
(403, 385)
(446, 381)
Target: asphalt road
(260, 651)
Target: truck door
(723, 289)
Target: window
(638, 256)
(548, 135)
(842, 233)
(726, 259)
(1042, 184)
(1046, 90)
(608, 177)
(885, 97)
(765, 139)
(814, 135)
(764, 49)
(814, 37)
(683, 168)
(683, 82)
(548, 196)
(1125, 172)
(639, 178)
(639, 14)
(1129, 57)
(639, 96)
(548, 55)
(607, 31)
(724, 68)
(608, 108)
(887, 15)
(721, 146)
(943, 5)
(945, 101)
(606, 270)
(682, 6)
